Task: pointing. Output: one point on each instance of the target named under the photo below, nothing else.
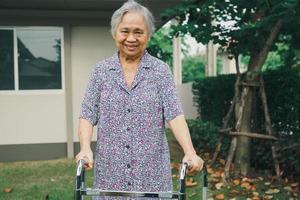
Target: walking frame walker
(81, 190)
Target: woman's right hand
(87, 156)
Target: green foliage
(282, 55)
(205, 136)
(161, 46)
(193, 68)
(240, 26)
(284, 89)
(213, 96)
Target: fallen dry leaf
(272, 191)
(255, 198)
(288, 188)
(190, 182)
(260, 178)
(294, 184)
(236, 181)
(245, 179)
(246, 185)
(267, 183)
(210, 170)
(255, 193)
(175, 165)
(286, 180)
(220, 196)
(222, 161)
(295, 194)
(215, 180)
(233, 193)
(219, 185)
(267, 197)
(8, 189)
(253, 187)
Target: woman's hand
(87, 156)
(194, 161)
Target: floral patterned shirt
(132, 153)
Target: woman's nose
(131, 37)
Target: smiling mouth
(131, 47)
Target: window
(30, 58)
(6, 60)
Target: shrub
(205, 136)
(213, 96)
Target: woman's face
(132, 35)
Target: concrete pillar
(211, 55)
(177, 67)
(68, 88)
(228, 64)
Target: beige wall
(89, 45)
(32, 117)
(186, 97)
(40, 117)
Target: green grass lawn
(54, 178)
(37, 179)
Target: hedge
(213, 96)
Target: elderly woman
(130, 96)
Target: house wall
(186, 96)
(34, 124)
(32, 118)
(89, 45)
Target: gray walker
(81, 190)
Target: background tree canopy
(249, 28)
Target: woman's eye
(138, 33)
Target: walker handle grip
(183, 171)
(80, 178)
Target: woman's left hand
(194, 161)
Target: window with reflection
(39, 59)
(37, 65)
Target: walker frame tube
(81, 190)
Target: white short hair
(131, 6)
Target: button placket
(128, 144)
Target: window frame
(16, 66)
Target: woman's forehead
(133, 19)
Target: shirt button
(128, 129)
(129, 110)
(128, 166)
(129, 183)
(127, 146)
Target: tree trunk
(257, 59)
(242, 157)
